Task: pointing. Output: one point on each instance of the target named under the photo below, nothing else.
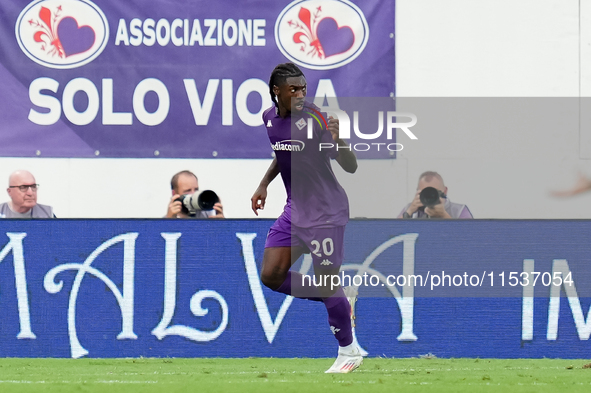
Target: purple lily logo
(321, 37)
(321, 34)
(62, 33)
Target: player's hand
(258, 200)
(174, 207)
(219, 209)
(438, 211)
(415, 204)
(333, 127)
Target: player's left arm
(346, 158)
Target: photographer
(185, 184)
(431, 200)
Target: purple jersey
(314, 196)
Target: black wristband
(406, 215)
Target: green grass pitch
(293, 375)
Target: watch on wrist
(406, 215)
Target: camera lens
(429, 196)
(207, 199)
(185, 203)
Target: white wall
(454, 48)
(134, 188)
(497, 48)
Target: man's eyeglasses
(25, 187)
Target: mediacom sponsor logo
(288, 145)
(62, 33)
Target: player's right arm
(260, 195)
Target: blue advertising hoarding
(190, 288)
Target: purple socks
(337, 306)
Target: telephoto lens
(429, 196)
(188, 204)
(207, 199)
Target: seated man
(445, 208)
(22, 190)
(185, 183)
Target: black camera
(429, 196)
(192, 203)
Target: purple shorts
(326, 244)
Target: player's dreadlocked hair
(280, 74)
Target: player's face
(292, 93)
(187, 185)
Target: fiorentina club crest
(321, 34)
(62, 33)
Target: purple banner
(176, 79)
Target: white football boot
(348, 360)
(351, 292)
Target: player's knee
(271, 280)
